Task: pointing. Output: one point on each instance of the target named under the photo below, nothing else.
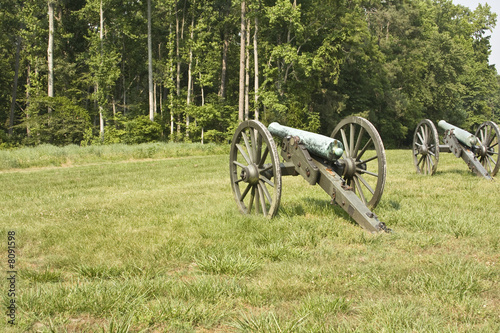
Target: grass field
(155, 245)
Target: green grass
(158, 245)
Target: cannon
(479, 151)
(350, 166)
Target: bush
(141, 129)
(66, 124)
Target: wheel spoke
(266, 193)
(257, 200)
(239, 164)
(242, 152)
(360, 190)
(247, 145)
(346, 144)
(364, 149)
(421, 138)
(254, 147)
(419, 161)
(358, 142)
(264, 179)
(367, 160)
(245, 192)
(351, 139)
(262, 200)
(361, 171)
(264, 156)
(366, 184)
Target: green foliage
(66, 123)
(141, 129)
(394, 61)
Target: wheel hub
(349, 168)
(482, 151)
(250, 174)
(423, 149)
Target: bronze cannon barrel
(463, 136)
(317, 144)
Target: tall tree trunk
(124, 81)
(241, 102)
(225, 47)
(247, 72)
(101, 38)
(150, 67)
(28, 99)
(202, 103)
(14, 87)
(190, 75)
(50, 51)
(256, 68)
(171, 92)
(177, 52)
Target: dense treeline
(92, 71)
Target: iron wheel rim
(425, 148)
(255, 170)
(489, 134)
(359, 136)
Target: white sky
(495, 36)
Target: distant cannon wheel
(364, 164)
(426, 147)
(255, 170)
(487, 154)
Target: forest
(111, 71)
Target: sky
(495, 36)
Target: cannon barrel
(317, 144)
(463, 136)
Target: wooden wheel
(364, 164)
(426, 148)
(489, 134)
(255, 170)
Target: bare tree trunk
(190, 76)
(225, 47)
(256, 65)
(202, 104)
(14, 87)
(28, 99)
(50, 51)
(150, 67)
(247, 72)
(241, 104)
(101, 38)
(124, 83)
(179, 35)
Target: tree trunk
(28, 99)
(256, 69)
(190, 76)
(150, 67)
(241, 104)
(101, 38)
(225, 47)
(247, 72)
(50, 51)
(14, 87)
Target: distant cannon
(350, 166)
(479, 151)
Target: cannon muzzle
(463, 136)
(317, 144)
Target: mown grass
(49, 156)
(158, 245)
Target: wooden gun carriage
(479, 151)
(350, 166)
